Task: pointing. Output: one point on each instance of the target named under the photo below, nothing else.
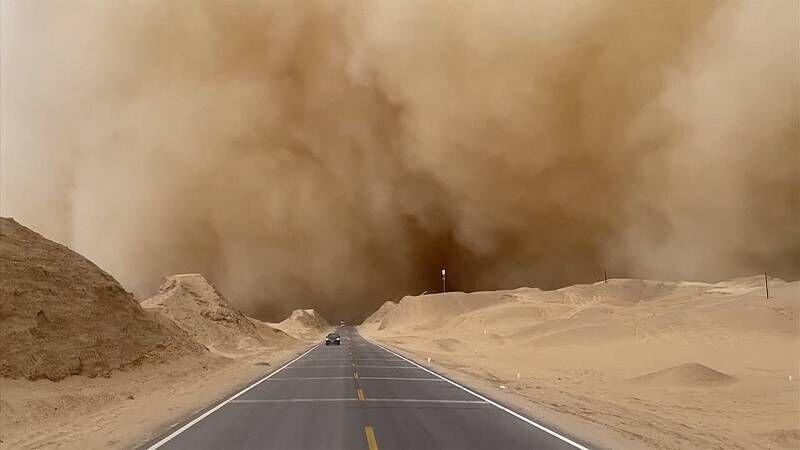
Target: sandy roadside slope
(83, 365)
(61, 315)
(128, 408)
(658, 364)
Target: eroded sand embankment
(653, 364)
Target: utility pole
(605, 276)
(444, 281)
(766, 283)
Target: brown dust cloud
(336, 154)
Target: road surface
(359, 396)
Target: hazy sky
(335, 154)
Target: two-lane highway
(359, 396)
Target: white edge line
(212, 410)
(517, 415)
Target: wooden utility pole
(766, 283)
(605, 276)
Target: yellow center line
(372, 443)
(360, 394)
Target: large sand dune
(195, 306)
(665, 364)
(61, 315)
(83, 365)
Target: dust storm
(336, 154)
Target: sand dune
(195, 306)
(305, 324)
(658, 364)
(686, 375)
(61, 315)
(83, 365)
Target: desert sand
(62, 315)
(126, 409)
(84, 365)
(625, 364)
(196, 307)
(303, 324)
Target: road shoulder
(594, 435)
(128, 409)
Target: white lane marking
(229, 400)
(348, 361)
(360, 367)
(493, 403)
(311, 378)
(356, 358)
(397, 378)
(422, 400)
(331, 361)
(386, 367)
(382, 360)
(316, 367)
(382, 400)
(361, 352)
(297, 400)
(351, 378)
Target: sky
(337, 154)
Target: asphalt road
(359, 396)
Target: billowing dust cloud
(335, 154)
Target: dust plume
(334, 154)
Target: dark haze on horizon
(335, 154)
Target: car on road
(333, 339)
(341, 323)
